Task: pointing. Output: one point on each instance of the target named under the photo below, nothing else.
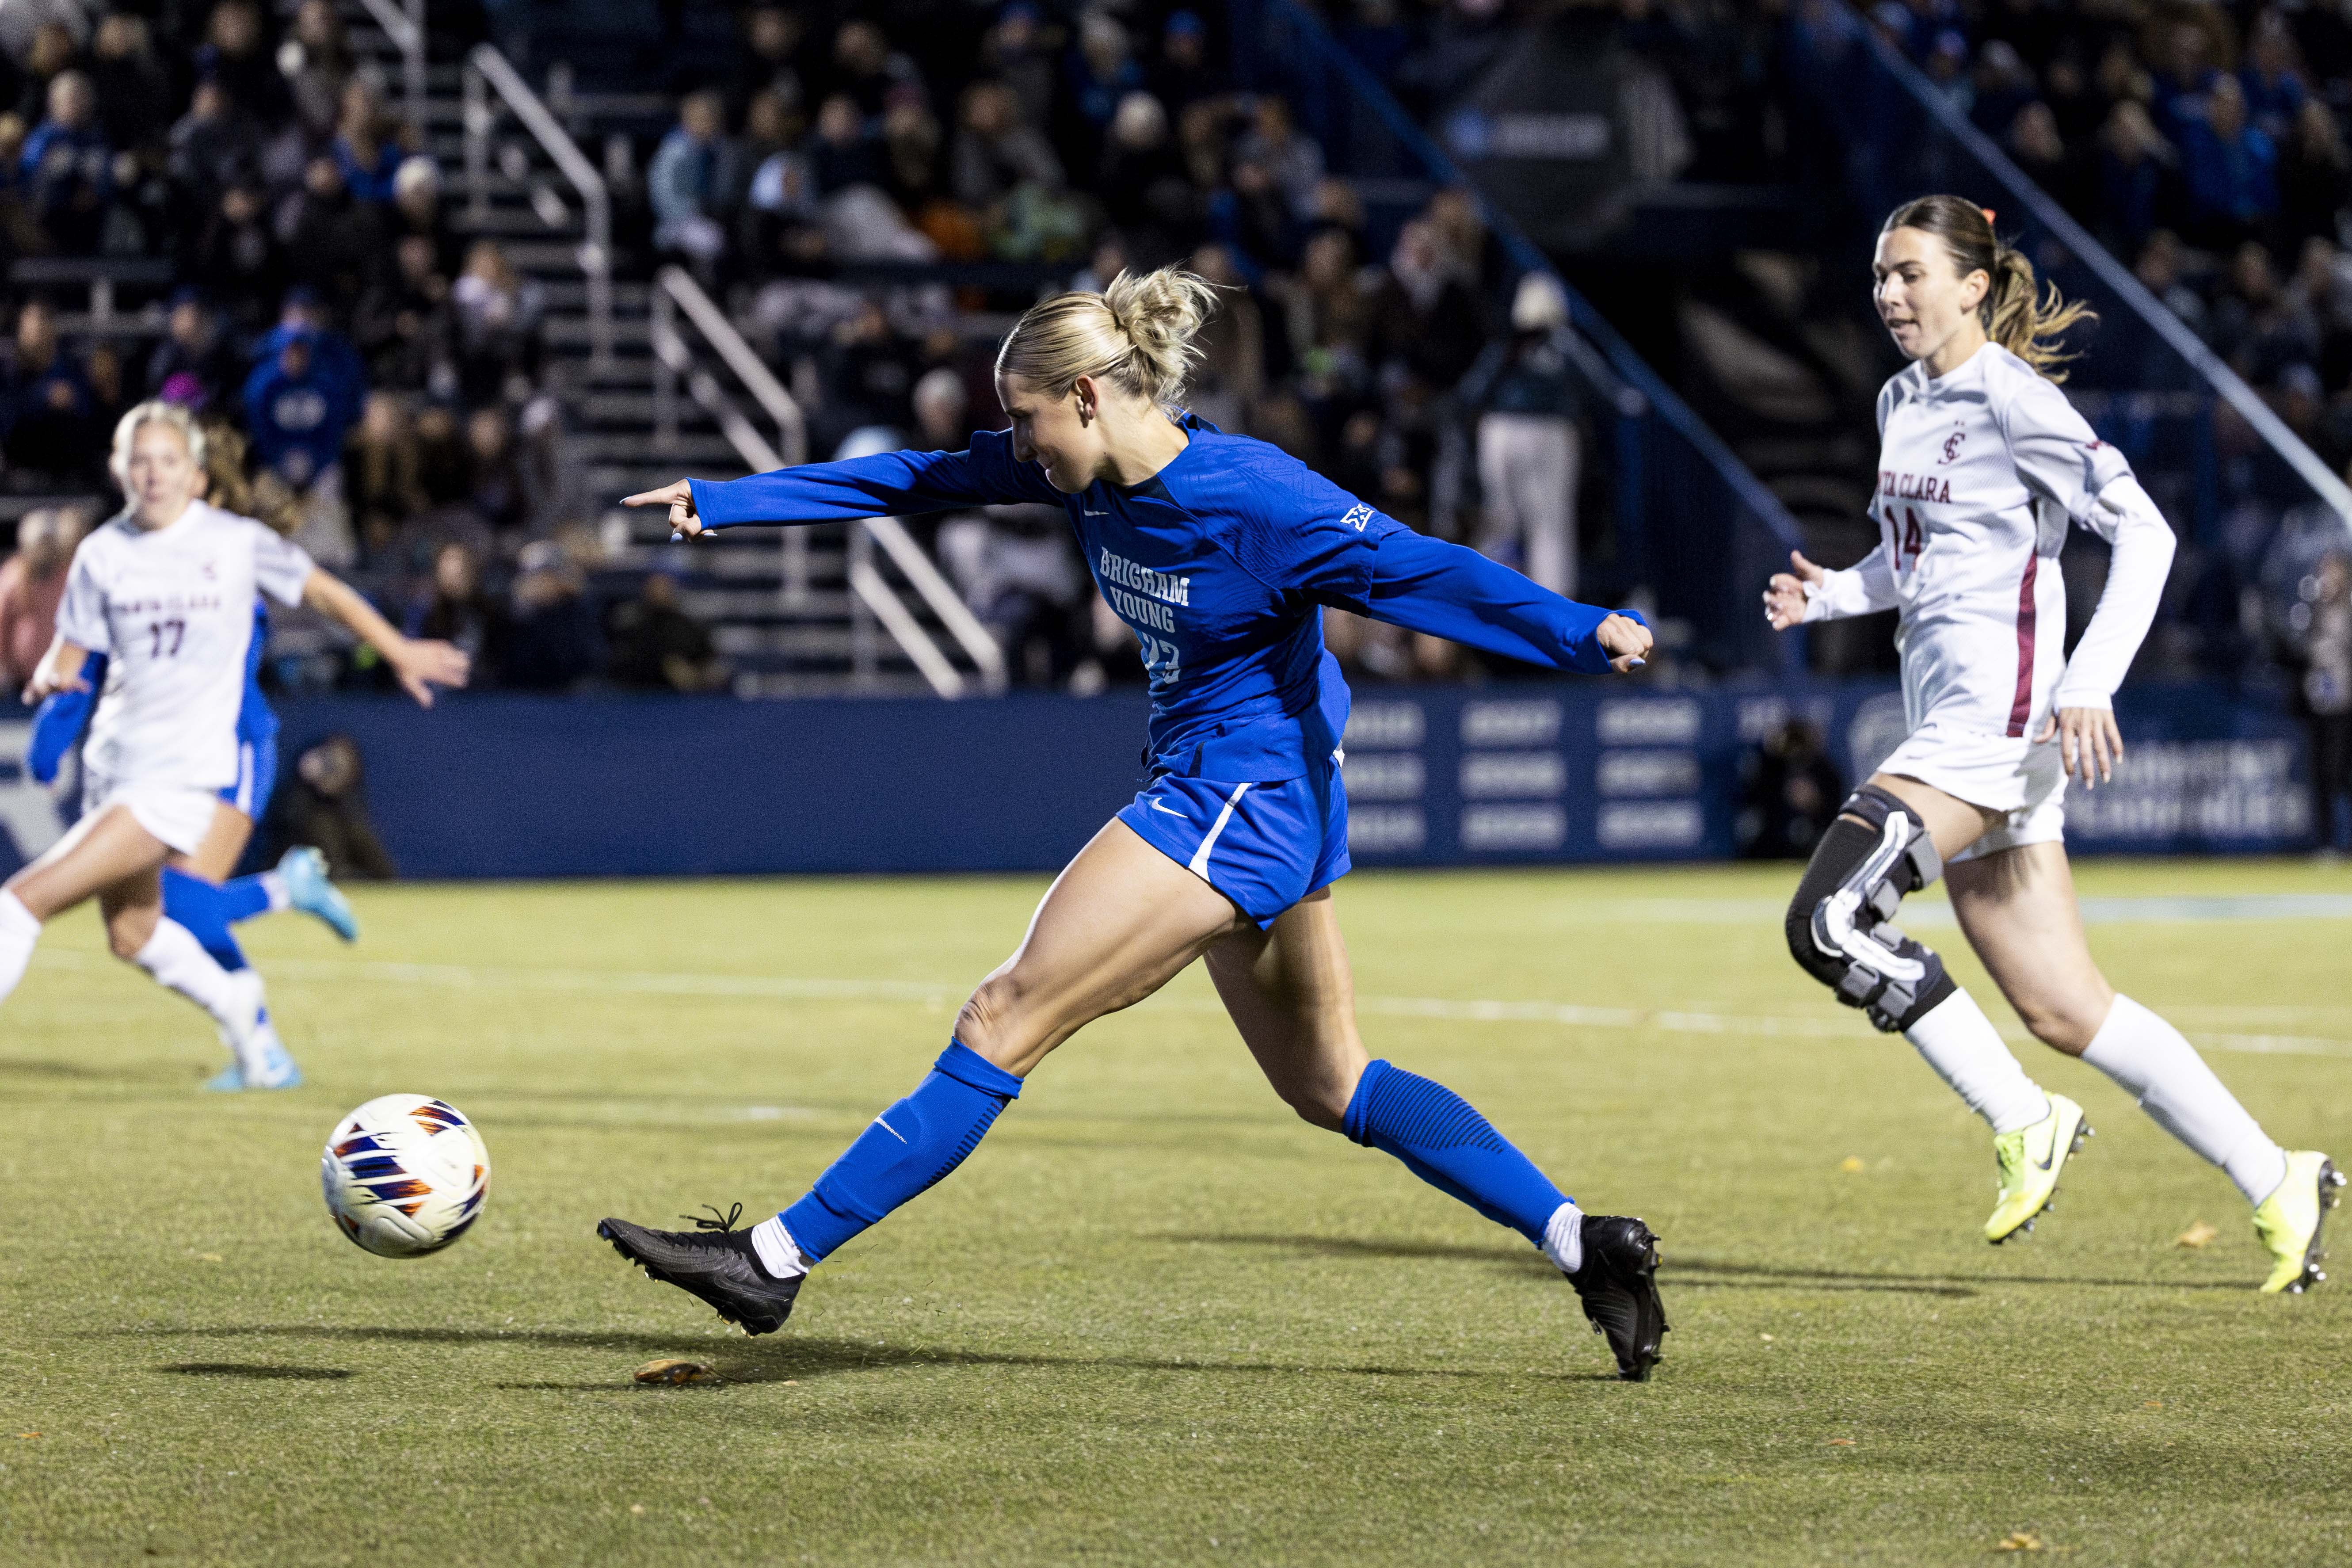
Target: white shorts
(179, 814)
(2023, 779)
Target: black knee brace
(1839, 924)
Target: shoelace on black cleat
(719, 1222)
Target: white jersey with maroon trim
(1980, 470)
(172, 608)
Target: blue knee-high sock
(242, 897)
(1442, 1140)
(206, 909)
(908, 1147)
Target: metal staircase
(656, 381)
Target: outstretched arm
(418, 664)
(885, 485)
(1425, 584)
(1809, 593)
(62, 717)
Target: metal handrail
(676, 284)
(486, 68)
(2224, 381)
(675, 292)
(674, 289)
(404, 23)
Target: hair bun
(1138, 332)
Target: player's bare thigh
(112, 850)
(1953, 822)
(113, 859)
(1119, 922)
(215, 858)
(2019, 912)
(1292, 995)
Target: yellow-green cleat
(2029, 1161)
(2289, 1221)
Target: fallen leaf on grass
(28, 1434)
(1841, 1442)
(2151, 1405)
(670, 1369)
(2198, 1233)
(1852, 1165)
(2027, 1541)
(637, 1508)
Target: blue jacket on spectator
(1097, 98)
(299, 401)
(337, 359)
(59, 158)
(2235, 179)
(60, 391)
(683, 180)
(2272, 106)
(369, 183)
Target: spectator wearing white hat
(1530, 450)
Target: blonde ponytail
(1137, 334)
(2029, 319)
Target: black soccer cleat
(1618, 1284)
(715, 1263)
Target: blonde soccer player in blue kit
(1221, 552)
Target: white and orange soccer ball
(405, 1175)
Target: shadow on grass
(795, 1358)
(1675, 1273)
(263, 1370)
(1518, 1260)
(20, 1067)
(1943, 1284)
(1682, 1272)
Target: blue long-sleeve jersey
(1220, 564)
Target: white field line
(1934, 910)
(461, 977)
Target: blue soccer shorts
(257, 777)
(1263, 846)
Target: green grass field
(1154, 1318)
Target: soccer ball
(405, 1175)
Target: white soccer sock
(2163, 1071)
(1967, 1052)
(779, 1254)
(178, 962)
(274, 887)
(1563, 1240)
(19, 930)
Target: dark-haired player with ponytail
(1221, 553)
(1983, 466)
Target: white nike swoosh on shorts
(1161, 805)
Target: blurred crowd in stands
(392, 370)
(385, 368)
(872, 193)
(1078, 144)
